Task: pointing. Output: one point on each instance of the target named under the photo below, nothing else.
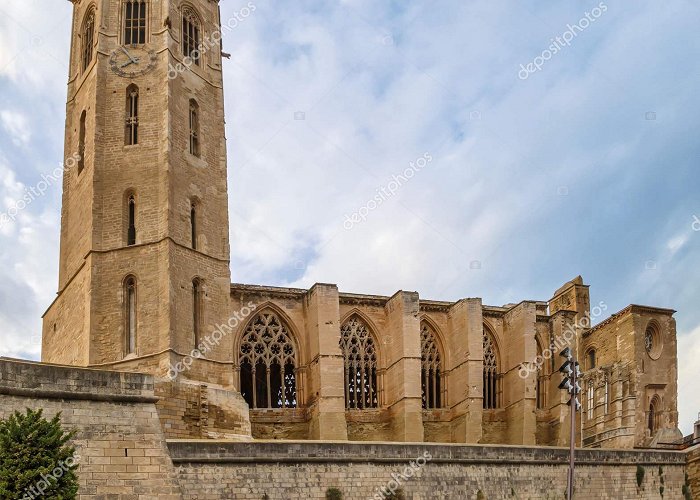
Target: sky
(512, 146)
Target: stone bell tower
(144, 264)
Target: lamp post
(571, 372)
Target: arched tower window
(431, 368)
(191, 28)
(193, 225)
(88, 38)
(131, 220)
(132, 115)
(653, 417)
(81, 141)
(267, 358)
(194, 128)
(197, 309)
(491, 372)
(360, 353)
(135, 16)
(130, 315)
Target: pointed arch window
(590, 359)
(431, 368)
(541, 387)
(267, 359)
(360, 353)
(132, 115)
(653, 417)
(491, 372)
(81, 141)
(194, 128)
(88, 38)
(131, 220)
(130, 315)
(191, 38)
(197, 310)
(193, 225)
(135, 17)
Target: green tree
(36, 459)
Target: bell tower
(144, 261)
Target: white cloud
(446, 83)
(17, 125)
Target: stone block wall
(119, 440)
(210, 470)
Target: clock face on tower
(132, 61)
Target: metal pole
(572, 443)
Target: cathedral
(145, 286)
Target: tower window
(132, 115)
(131, 228)
(358, 348)
(130, 310)
(197, 310)
(193, 225)
(194, 128)
(267, 357)
(88, 38)
(191, 35)
(81, 142)
(134, 22)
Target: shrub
(35, 459)
(640, 476)
(396, 495)
(334, 494)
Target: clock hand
(135, 61)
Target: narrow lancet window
(130, 308)
(132, 115)
(131, 228)
(194, 128)
(134, 22)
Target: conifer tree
(36, 460)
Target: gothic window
(131, 220)
(590, 400)
(653, 417)
(267, 359)
(590, 359)
(191, 35)
(130, 315)
(491, 375)
(197, 296)
(606, 402)
(81, 142)
(360, 353)
(652, 341)
(132, 115)
(541, 387)
(193, 225)
(431, 368)
(134, 22)
(88, 38)
(194, 128)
